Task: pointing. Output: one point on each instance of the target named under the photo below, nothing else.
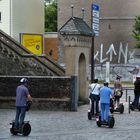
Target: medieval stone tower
(115, 43)
(116, 20)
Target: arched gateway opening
(76, 35)
(82, 77)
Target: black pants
(95, 104)
(136, 99)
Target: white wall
(5, 16)
(28, 17)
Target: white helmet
(23, 80)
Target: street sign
(95, 27)
(95, 18)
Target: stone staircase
(15, 59)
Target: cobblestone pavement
(50, 125)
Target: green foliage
(51, 17)
(136, 31)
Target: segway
(110, 123)
(90, 115)
(119, 109)
(26, 127)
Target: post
(126, 95)
(129, 105)
(92, 60)
(95, 32)
(107, 71)
(83, 10)
(72, 6)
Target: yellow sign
(33, 42)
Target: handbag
(118, 92)
(90, 95)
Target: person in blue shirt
(105, 94)
(22, 96)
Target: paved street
(50, 125)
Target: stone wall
(50, 93)
(13, 55)
(115, 26)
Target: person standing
(118, 90)
(22, 96)
(94, 96)
(105, 94)
(136, 91)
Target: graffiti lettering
(122, 54)
(101, 55)
(111, 50)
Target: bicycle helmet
(23, 80)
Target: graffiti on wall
(123, 53)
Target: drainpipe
(10, 17)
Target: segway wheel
(12, 129)
(89, 116)
(121, 108)
(131, 107)
(98, 121)
(111, 110)
(26, 129)
(111, 122)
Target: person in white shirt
(94, 96)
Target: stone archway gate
(75, 43)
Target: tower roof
(76, 26)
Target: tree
(136, 31)
(51, 17)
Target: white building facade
(22, 16)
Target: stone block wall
(50, 93)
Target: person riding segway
(135, 104)
(105, 118)
(23, 103)
(94, 99)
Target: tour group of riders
(97, 94)
(104, 94)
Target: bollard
(129, 104)
(126, 96)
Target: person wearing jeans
(94, 91)
(105, 94)
(22, 96)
